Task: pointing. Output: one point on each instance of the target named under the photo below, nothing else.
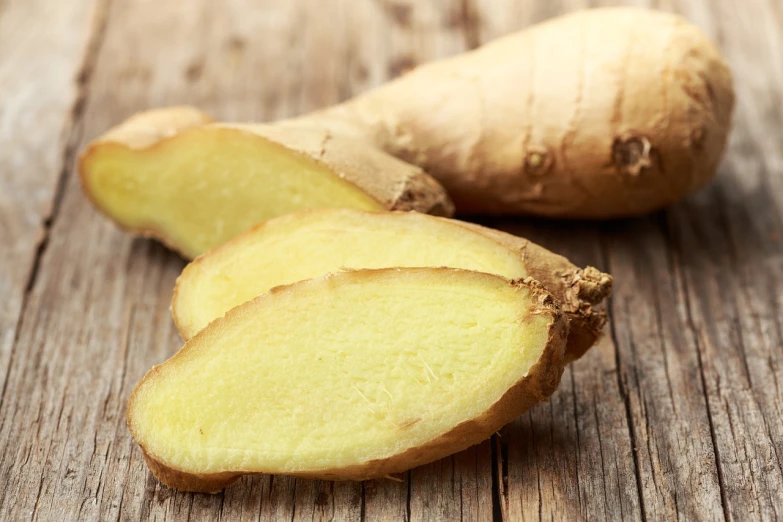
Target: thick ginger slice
(173, 175)
(351, 376)
(310, 244)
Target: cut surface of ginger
(353, 375)
(311, 244)
(205, 185)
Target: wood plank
(44, 47)
(660, 375)
(43, 52)
(572, 457)
(104, 296)
(695, 458)
(729, 242)
(98, 315)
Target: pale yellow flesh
(311, 244)
(338, 371)
(204, 186)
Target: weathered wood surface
(677, 414)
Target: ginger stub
(351, 376)
(311, 244)
(173, 175)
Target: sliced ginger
(310, 244)
(351, 376)
(171, 174)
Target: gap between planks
(73, 130)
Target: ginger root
(599, 113)
(352, 376)
(193, 184)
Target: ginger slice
(310, 244)
(351, 376)
(173, 175)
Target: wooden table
(676, 414)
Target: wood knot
(632, 155)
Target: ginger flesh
(206, 185)
(311, 244)
(286, 383)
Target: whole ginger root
(600, 113)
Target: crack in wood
(672, 243)
(363, 509)
(408, 499)
(293, 500)
(601, 451)
(621, 385)
(570, 371)
(497, 513)
(67, 157)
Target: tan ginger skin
(597, 114)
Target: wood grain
(676, 414)
(42, 47)
(730, 250)
(571, 458)
(36, 134)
